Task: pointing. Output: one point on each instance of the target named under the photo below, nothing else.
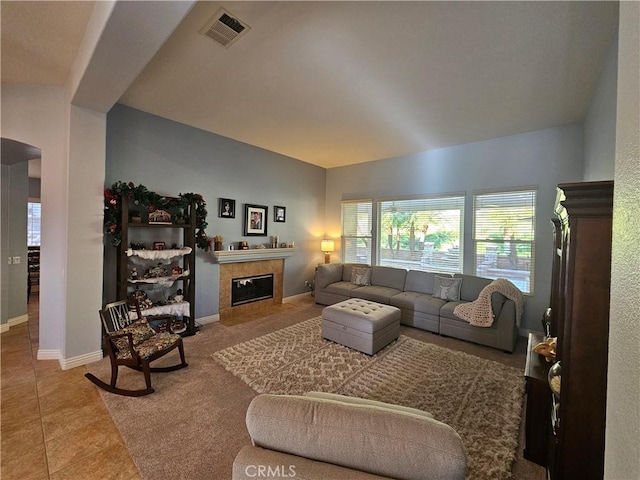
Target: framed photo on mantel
(255, 220)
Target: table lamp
(327, 247)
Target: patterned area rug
(481, 399)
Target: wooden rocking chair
(134, 344)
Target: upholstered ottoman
(363, 325)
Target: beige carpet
(481, 399)
(193, 426)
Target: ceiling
(336, 83)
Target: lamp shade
(327, 246)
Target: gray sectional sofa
(412, 292)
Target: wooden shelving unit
(131, 231)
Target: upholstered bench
(363, 325)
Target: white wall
(600, 122)
(86, 211)
(543, 158)
(622, 450)
(72, 209)
(37, 116)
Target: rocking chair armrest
(121, 335)
(168, 322)
(112, 338)
(164, 322)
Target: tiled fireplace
(238, 270)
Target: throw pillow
(361, 276)
(447, 288)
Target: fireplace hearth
(251, 289)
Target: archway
(13, 238)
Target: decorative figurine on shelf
(160, 216)
(133, 275)
(137, 295)
(178, 297)
(138, 246)
(547, 349)
(176, 270)
(156, 272)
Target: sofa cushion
(341, 288)
(447, 288)
(375, 293)
(388, 277)
(363, 437)
(446, 312)
(418, 302)
(328, 273)
(361, 276)
(471, 286)
(422, 282)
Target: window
(503, 236)
(33, 224)
(356, 232)
(421, 234)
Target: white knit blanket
(479, 312)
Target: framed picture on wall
(227, 208)
(255, 220)
(279, 214)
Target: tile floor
(54, 424)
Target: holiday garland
(142, 196)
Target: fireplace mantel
(251, 255)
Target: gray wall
(14, 240)
(600, 122)
(4, 243)
(170, 158)
(542, 158)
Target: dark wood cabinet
(580, 317)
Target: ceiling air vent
(224, 28)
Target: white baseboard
(44, 354)
(18, 320)
(68, 363)
(12, 322)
